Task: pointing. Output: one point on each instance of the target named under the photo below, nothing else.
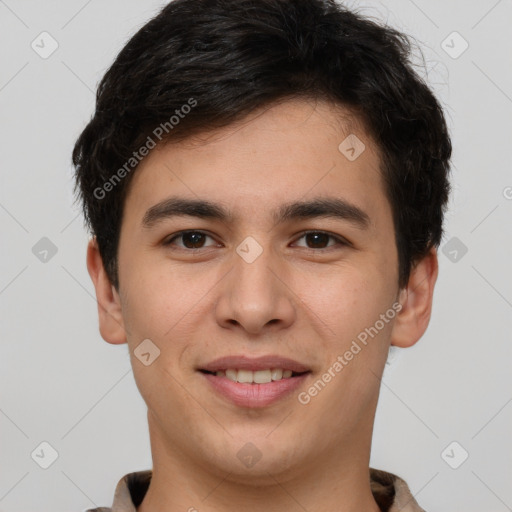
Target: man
(265, 183)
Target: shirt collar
(390, 492)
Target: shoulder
(129, 492)
(392, 492)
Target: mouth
(255, 377)
(251, 383)
(251, 395)
(255, 364)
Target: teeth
(277, 374)
(258, 377)
(244, 376)
(232, 375)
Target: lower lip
(254, 395)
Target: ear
(110, 316)
(416, 300)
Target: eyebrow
(322, 207)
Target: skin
(299, 300)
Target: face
(292, 257)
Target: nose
(255, 295)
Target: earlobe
(110, 316)
(416, 300)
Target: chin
(257, 459)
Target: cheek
(155, 312)
(347, 385)
(160, 294)
(346, 299)
(166, 306)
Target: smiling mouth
(255, 377)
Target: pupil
(317, 238)
(195, 238)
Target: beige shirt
(390, 492)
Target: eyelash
(339, 240)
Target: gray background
(62, 384)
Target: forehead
(290, 152)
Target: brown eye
(190, 239)
(320, 240)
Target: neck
(337, 480)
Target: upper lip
(254, 363)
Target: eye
(319, 239)
(190, 239)
(194, 239)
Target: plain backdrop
(448, 397)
